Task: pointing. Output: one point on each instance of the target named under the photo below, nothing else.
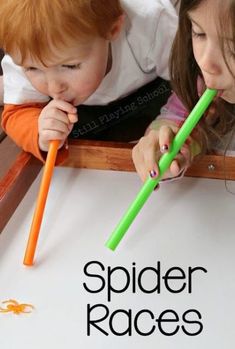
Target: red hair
(30, 25)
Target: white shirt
(139, 55)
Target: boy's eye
(30, 69)
(72, 66)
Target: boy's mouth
(70, 101)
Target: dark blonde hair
(30, 25)
(185, 71)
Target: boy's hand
(149, 149)
(55, 122)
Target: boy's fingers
(72, 117)
(55, 125)
(50, 135)
(63, 105)
(61, 116)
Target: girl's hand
(149, 149)
(55, 122)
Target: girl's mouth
(220, 92)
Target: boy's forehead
(56, 55)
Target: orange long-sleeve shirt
(20, 122)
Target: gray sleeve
(151, 33)
(164, 34)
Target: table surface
(189, 223)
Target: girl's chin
(227, 98)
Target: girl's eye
(198, 34)
(72, 66)
(229, 49)
(231, 52)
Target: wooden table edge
(93, 155)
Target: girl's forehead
(214, 15)
(212, 7)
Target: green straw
(163, 165)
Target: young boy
(1, 80)
(92, 63)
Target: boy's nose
(55, 88)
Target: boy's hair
(185, 72)
(30, 25)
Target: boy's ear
(116, 28)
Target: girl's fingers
(143, 155)
(146, 154)
(186, 152)
(150, 161)
(151, 154)
(178, 165)
(138, 162)
(181, 161)
(165, 138)
(175, 168)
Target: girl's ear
(116, 28)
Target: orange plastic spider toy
(16, 308)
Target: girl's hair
(185, 72)
(32, 26)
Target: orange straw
(41, 202)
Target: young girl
(203, 56)
(97, 62)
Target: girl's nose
(211, 62)
(210, 67)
